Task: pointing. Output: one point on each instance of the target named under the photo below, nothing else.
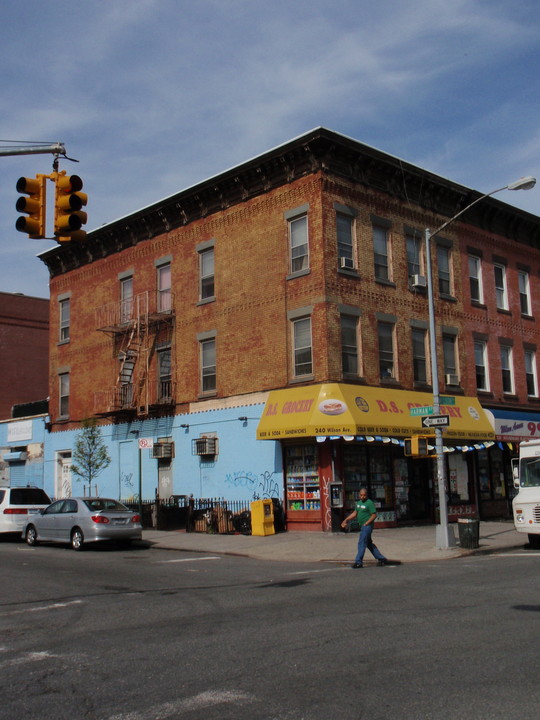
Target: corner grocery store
(337, 438)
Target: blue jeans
(365, 541)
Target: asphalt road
(149, 634)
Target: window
(500, 287)
(126, 299)
(206, 274)
(64, 319)
(164, 303)
(443, 266)
(303, 361)
(475, 279)
(386, 350)
(524, 294)
(530, 373)
(64, 394)
(345, 242)
(413, 241)
(449, 356)
(506, 369)
(164, 373)
(208, 365)
(419, 355)
(480, 358)
(298, 242)
(349, 345)
(380, 249)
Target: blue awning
(15, 456)
(514, 425)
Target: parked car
(81, 520)
(17, 504)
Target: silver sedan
(82, 520)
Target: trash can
(262, 517)
(469, 532)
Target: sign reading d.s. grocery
(340, 409)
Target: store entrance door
(419, 493)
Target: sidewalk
(402, 545)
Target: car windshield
(104, 504)
(530, 472)
(29, 496)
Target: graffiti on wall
(261, 486)
(126, 479)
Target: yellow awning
(340, 409)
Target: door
(63, 480)
(165, 484)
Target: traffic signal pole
(53, 149)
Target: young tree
(90, 454)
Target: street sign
(146, 443)
(447, 400)
(424, 410)
(436, 420)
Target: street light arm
(525, 183)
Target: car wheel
(31, 536)
(77, 539)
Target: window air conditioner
(452, 379)
(205, 446)
(346, 263)
(163, 450)
(418, 281)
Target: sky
(155, 96)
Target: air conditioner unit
(163, 450)
(346, 263)
(451, 379)
(418, 281)
(205, 446)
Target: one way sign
(436, 420)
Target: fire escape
(141, 328)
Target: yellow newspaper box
(262, 517)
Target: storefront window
(491, 474)
(302, 477)
(458, 480)
(368, 467)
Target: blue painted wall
(32, 471)
(245, 468)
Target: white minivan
(17, 503)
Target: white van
(16, 503)
(526, 504)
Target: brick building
(24, 350)
(267, 332)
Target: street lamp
(444, 537)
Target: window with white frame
(507, 372)
(208, 364)
(501, 295)
(530, 373)
(164, 294)
(480, 359)
(475, 279)
(444, 269)
(349, 345)
(302, 347)
(385, 333)
(65, 307)
(381, 252)
(126, 298)
(63, 394)
(345, 240)
(206, 274)
(419, 337)
(524, 293)
(449, 342)
(413, 242)
(298, 244)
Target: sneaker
(380, 563)
(357, 565)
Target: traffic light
(69, 201)
(34, 205)
(416, 446)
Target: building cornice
(319, 150)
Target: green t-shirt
(364, 510)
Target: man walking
(365, 512)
